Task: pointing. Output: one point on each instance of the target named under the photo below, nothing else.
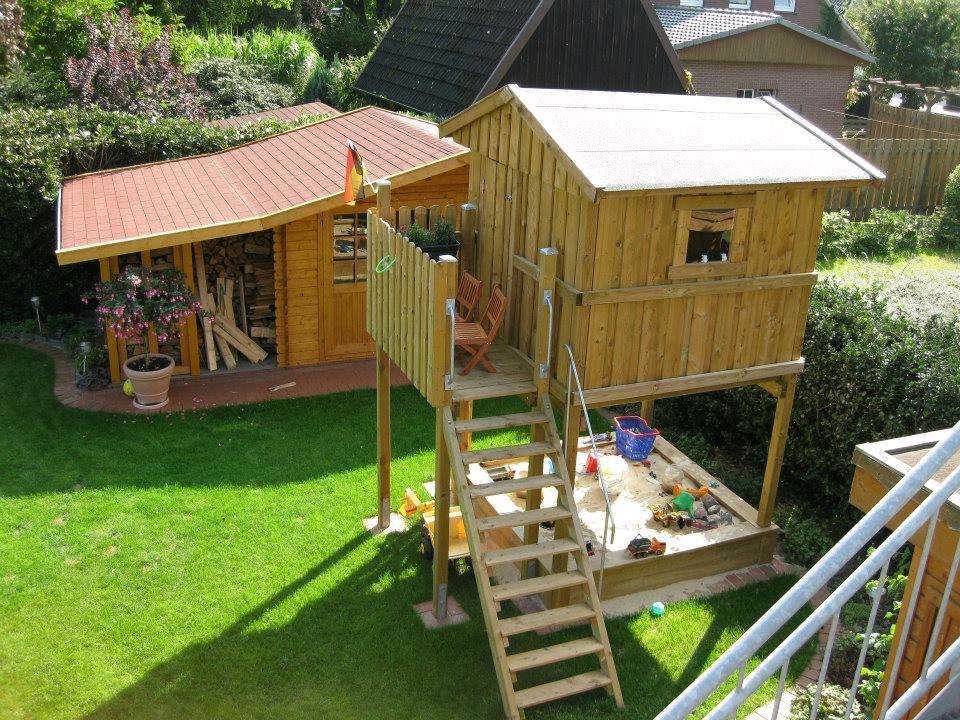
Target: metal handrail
(545, 366)
(573, 375)
(451, 308)
(893, 503)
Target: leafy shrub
(344, 34)
(869, 375)
(29, 87)
(55, 29)
(236, 88)
(333, 83)
(949, 231)
(123, 71)
(39, 147)
(12, 36)
(288, 55)
(804, 540)
(882, 234)
(833, 704)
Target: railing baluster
(827, 653)
(942, 612)
(780, 690)
(875, 606)
(904, 631)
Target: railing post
(383, 201)
(444, 289)
(542, 357)
(468, 236)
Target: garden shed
(267, 224)
(644, 246)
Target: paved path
(214, 389)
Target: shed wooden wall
(772, 44)
(318, 321)
(528, 200)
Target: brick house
(737, 52)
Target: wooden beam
(710, 202)
(778, 442)
(465, 412)
(441, 528)
(534, 499)
(113, 353)
(527, 267)
(671, 387)
(646, 411)
(699, 271)
(383, 201)
(644, 293)
(776, 387)
(384, 452)
(208, 342)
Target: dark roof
(285, 113)
(438, 54)
(688, 26)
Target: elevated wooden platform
(514, 376)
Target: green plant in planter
(445, 233)
(419, 236)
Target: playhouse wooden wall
(668, 325)
(318, 320)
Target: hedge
(883, 234)
(870, 375)
(38, 148)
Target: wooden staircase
(559, 577)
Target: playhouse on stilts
(618, 248)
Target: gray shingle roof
(624, 142)
(686, 26)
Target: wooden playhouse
(264, 230)
(664, 243)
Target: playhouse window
(709, 235)
(349, 248)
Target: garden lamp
(35, 301)
(84, 349)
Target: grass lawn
(213, 565)
(918, 286)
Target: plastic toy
(667, 516)
(128, 388)
(641, 547)
(684, 501)
(657, 609)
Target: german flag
(353, 186)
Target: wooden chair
(475, 338)
(468, 296)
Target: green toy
(128, 388)
(684, 501)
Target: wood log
(208, 342)
(259, 331)
(223, 343)
(241, 341)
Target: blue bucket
(635, 437)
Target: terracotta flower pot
(151, 386)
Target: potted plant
(133, 303)
(442, 240)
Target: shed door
(343, 312)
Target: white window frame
(691, 3)
(746, 93)
(739, 4)
(765, 92)
(785, 6)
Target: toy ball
(128, 388)
(657, 609)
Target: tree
(915, 41)
(11, 33)
(122, 71)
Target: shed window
(709, 235)
(785, 5)
(746, 93)
(739, 4)
(349, 248)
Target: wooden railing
(408, 295)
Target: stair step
(522, 518)
(553, 654)
(537, 585)
(503, 487)
(562, 688)
(511, 452)
(500, 422)
(567, 615)
(494, 390)
(530, 552)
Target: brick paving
(189, 393)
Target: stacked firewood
(248, 261)
(223, 332)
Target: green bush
(345, 35)
(883, 234)
(32, 87)
(833, 704)
(289, 55)
(949, 232)
(38, 148)
(237, 88)
(333, 83)
(870, 375)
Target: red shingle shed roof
(244, 189)
(291, 112)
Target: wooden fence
(916, 169)
(887, 121)
(407, 294)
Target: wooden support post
(384, 435)
(646, 411)
(441, 528)
(468, 237)
(542, 357)
(113, 352)
(190, 341)
(531, 533)
(778, 442)
(465, 412)
(383, 202)
(571, 438)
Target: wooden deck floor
(514, 376)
